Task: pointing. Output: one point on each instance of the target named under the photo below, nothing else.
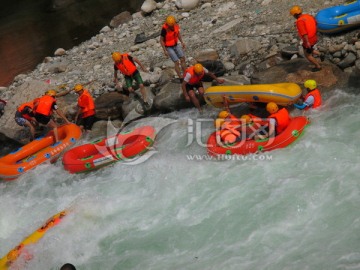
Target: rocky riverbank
(254, 41)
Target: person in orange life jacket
(24, 117)
(278, 120)
(43, 109)
(126, 65)
(192, 80)
(313, 97)
(86, 108)
(229, 129)
(169, 37)
(306, 27)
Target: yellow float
(280, 93)
(14, 254)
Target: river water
(32, 30)
(292, 208)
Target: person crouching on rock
(43, 109)
(86, 108)
(24, 117)
(126, 65)
(192, 80)
(313, 97)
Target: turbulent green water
(294, 208)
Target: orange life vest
(172, 35)
(126, 66)
(230, 129)
(317, 98)
(29, 104)
(282, 120)
(44, 105)
(86, 103)
(306, 25)
(195, 79)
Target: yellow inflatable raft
(7, 261)
(280, 93)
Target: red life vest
(86, 103)
(44, 106)
(306, 25)
(29, 104)
(317, 98)
(126, 66)
(172, 35)
(282, 120)
(195, 79)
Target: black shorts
(309, 50)
(42, 119)
(87, 122)
(191, 87)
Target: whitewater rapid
(293, 208)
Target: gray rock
(348, 61)
(60, 52)
(120, 19)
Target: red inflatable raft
(102, 152)
(244, 147)
(38, 151)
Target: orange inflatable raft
(37, 152)
(102, 152)
(9, 259)
(296, 127)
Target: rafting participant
(86, 108)
(312, 98)
(43, 110)
(24, 117)
(126, 65)
(169, 37)
(278, 119)
(229, 129)
(307, 28)
(192, 80)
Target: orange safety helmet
(223, 114)
(51, 93)
(78, 87)
(170, 21)
(198, 68)
(271, 107)
(116, 56)
(295, 10)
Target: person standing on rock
(24, 117)
(43, 109)
(307, 28)
(169, 37)
(126, 65)
(192, 80)
(86, 108)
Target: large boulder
(298, 71)
(148, 6)
(120, 19)
(109, 105)
(187, 4)
(171, 98)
